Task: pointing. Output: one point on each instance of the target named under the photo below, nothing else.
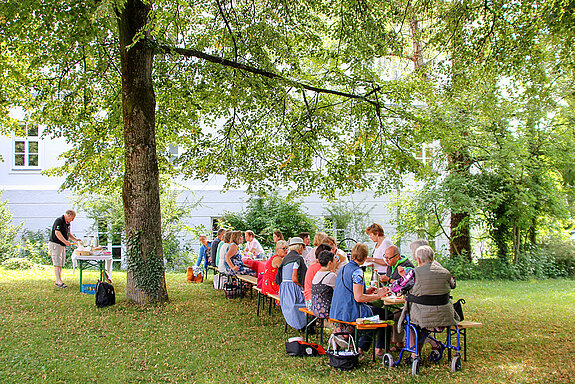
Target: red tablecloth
(257, 265)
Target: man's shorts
(58, 254)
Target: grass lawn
(52, 335)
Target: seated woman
(350, 297)
(222, 250)
(269, 285)
(427, 301)
(318, 239)
(253, 246)
(290, 278)
(312, 269)
(233, 264)
(322, 285)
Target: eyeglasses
(389, 258)
(284, 248)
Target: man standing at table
(58, 242)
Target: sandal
(62, 285)
(396, 348)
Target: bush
(553, 260)
(34, 246)
(177, 258)
(8, 233)
(264, 214)
(17, 263)
(564, 254)
(460, 268)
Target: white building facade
(36, 199)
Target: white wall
(35, 199)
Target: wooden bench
(463, 327)
(262, 297)
(370, 329)
(250, 281)
(309, 314)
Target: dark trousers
(364, 342)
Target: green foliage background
(265, 214)
(8, 232)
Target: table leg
(464, 344)
(80, 266)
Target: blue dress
(237, 262)
(291, 298)
(343, 304)
(345, 308)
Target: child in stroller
(428, 310)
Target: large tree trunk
(141, 192)
(460, 242)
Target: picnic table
(258, 266)
(97, 260)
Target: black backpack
(105, 294)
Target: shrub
(17, 263)
(264, 214)
(553, 260)
(564, 254)
(177, 257)
(8, 232)
(34, 246)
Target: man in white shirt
(253, 245)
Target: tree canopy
(321, 95)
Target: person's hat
(295, 240)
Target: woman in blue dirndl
(290, 277)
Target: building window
(216, 225)
(425, 154)
(26, 147)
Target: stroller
(421, 335)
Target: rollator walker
(421, 335)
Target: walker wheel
(415, 367)
(435, 355)
(388, 360)
(456, 363)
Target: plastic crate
(89, 289)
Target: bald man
(394, 260)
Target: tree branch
(228, 28)
(234, 64)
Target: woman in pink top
(311, 271)
(375, 232)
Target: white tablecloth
(106, 258)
